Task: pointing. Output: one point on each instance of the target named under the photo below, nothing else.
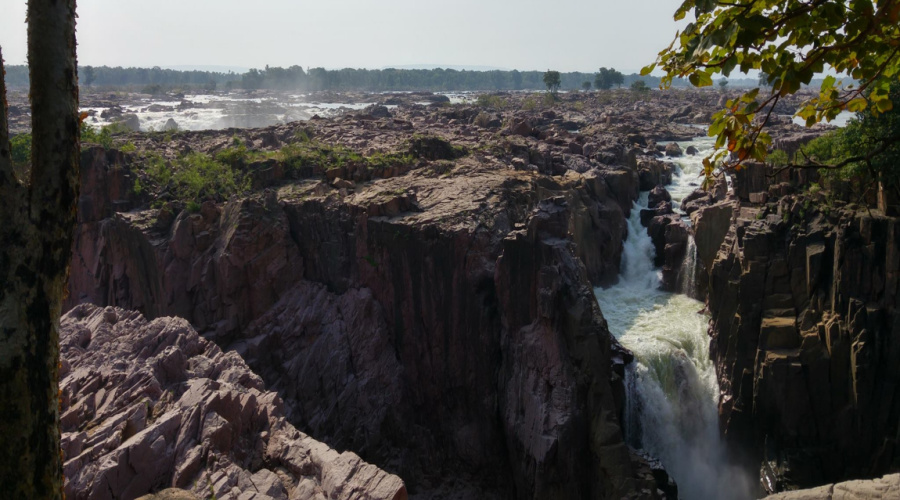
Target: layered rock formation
(150, 405)
(803, 296)
(439, 323)
(436, 316)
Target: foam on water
(214, 112)
(672, 385)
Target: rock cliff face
(150, 405)
(441, 324)
(806, 336)
(876, 489)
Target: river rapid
(672, 390)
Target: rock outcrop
(806, 337)
(148, 405)
(380, 312)
(885, 488)
(425, 298)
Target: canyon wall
(440, 324)
(803, 292)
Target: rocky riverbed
(416, 282)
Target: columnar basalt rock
(804, 332)
(374, 312)
(435, 316)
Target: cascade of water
(672, 390)
(687, 275)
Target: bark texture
(35, 246)
(6, 171)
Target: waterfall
(672, 390)
(687, 275)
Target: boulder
(673, 150)
(520, 127)
(130, 121)
(698, 199)
(658, 194)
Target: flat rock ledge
(885, 488)
(150, 405)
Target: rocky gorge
(415, 286)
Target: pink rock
(164, 407)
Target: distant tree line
(296, 78)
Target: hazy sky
(566, 35)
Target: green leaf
(884, 105)
(857, 105)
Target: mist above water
(672, 386)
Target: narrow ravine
(672, 386)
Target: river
(672, 390)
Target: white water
(218, 111)
(213, 112)
(672, 386)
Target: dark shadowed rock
(673, 150)
(804, 335)
(658, 194)
(653, 172)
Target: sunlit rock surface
(147, 405)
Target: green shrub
(20, 148)
(157, 168)
(198, 176)
(235, 156)
(778, 158)
(491, 101)
(640, 86)
(103, 137)
(529, 104)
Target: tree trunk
(5, 154)
(38, 221)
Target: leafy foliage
(198, 176)
(639, 86)
(789, 41)
(20, 148)
(491, 101)
(103, 137)
(867, 149)
(552, 81)
(607, 77)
